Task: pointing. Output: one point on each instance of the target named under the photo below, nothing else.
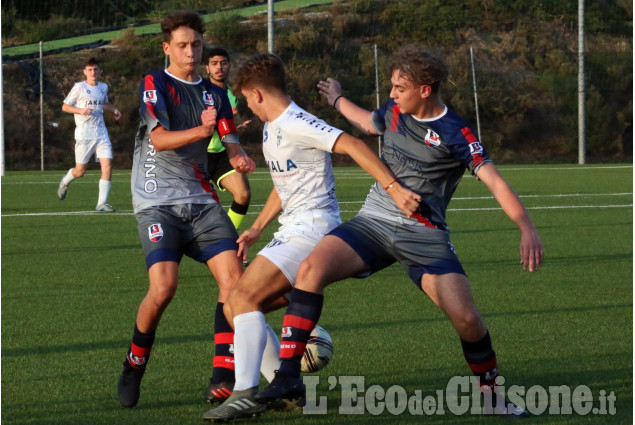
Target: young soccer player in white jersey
(428, 147)
(87, 100)
(176, 208)
(297, 148)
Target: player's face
(91, 72)
(185, 50)
(406, 94)
(218, 69)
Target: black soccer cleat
(283, 393)
(129, 388)
(218, 392)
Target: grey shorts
(381, 242)
(199, 231)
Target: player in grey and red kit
(428, 147)
(177, 210)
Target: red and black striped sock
(299, 320)
(139, 351)
(223, 348)
(481, 358)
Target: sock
(299, 320)
(104, 189)
(139, 351)
(271, 356)
(223, 347)
(236, 213)
(68, 178)
(250, 338)
(481, 358)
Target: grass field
(72, 280)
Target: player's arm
(406, 200)
(239, 159)
(531, 252)
(269, 212)
(111, 108)
(75, 110)
(358, 117)
(164, 139)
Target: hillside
(525, 57)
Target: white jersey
(297, 147)
(83, 95)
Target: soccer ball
(318, 352)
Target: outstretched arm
(531, 252)
(269, 212)
(406, 200)
(358, 117)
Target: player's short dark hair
(264, 70)
(210, 52)
(91, 62)
(181, 18)
(420, 67)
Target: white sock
(68, 178)
(271, 356)
(250, 338)
(104, 190)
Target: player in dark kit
(428, 147)
(176, 208)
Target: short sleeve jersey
(297, 147)
(428, 156)
(176, 176)
(83, 95)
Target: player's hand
(243, 164)
(86, 111)
(117, 114)
(531, 252)
(405, 199)
(330, 89)
(246, 240)
(208, 119)
(242, 126)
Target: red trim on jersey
(469, 136)
(225, 126)
(394, 122)
(421, 219)
(224, 338)
(224, 361)
(480, 368)
(175, 97)
(148, 85)
(290, 349)
(198, 173)
(472, 140)
(298, 322)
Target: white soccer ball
(318, 352)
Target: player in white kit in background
(87, 100)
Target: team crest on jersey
(476, 148)
(432, 138)
(155, 232)
(265, 136)
(150, 96)
(208, 99)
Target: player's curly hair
(416, 65)
(264, 70)
(181, 18)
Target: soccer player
(176, 208)
(220, 171)
(87, 100)
(297, 148)
(428, 147)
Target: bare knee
(242, 300)
(310, 276)
(78, 172)
(469, 325)
(162, 295)
(242, 197)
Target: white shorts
(292, 244)
(85, 148)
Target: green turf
(72, 281)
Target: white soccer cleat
(61, 190)
(104, 208)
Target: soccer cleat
(240, 404)
(61, 190)
(219, 392)
(129, 388)
(104, 208)
(283, 393)
(496, 404)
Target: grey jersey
(176, 176)
(428, 157)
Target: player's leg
(84, 149)
(104, 155)
(238, 185)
